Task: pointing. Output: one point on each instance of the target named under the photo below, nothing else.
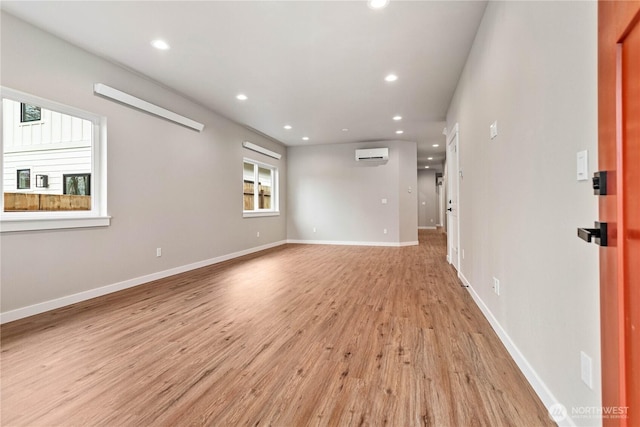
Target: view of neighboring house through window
(260, 187)
(29, 113)
(49, 149)
(23, 178)
(77, 184)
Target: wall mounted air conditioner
(372, 154)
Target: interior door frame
(453, 178)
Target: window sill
(34, 122)
(249, 214)
(8, 225)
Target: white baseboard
(349, 243)
(427, 228)
(42, 307)
(541, 389)
(466, 283)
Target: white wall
(533, 69)
(407, 192)
(428, 215)
(168, 186)
(342, 198)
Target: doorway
(453, 226)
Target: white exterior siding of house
(57, 144)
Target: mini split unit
(372, 154)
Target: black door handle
(598, 234)
(449, 209)
(587, 233)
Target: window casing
(259, 189)
(47, 205)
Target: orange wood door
(619, 155)
(631, 213)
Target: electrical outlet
(258, 234)
(496, 286)
(158, 252)
(314, 229)
(586, 369)
(384, 231)
(493, 129)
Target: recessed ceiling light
(429, 158)
(436, 145)
(241, 97)
(305, 138)
(287, 127)
(396, 118)
(345, 130)
(399, 132)
(378, 4)
(426, 167)
(391, 78)
(160, 44)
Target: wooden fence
(20, 202)
(264, 201)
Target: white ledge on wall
(253, 214)
(140, 104)
(261, 150)
(33, 224)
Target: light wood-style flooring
(298, 335)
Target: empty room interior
(299, 213)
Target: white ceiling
(318, 66)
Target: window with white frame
(260, 188)
(53, 165)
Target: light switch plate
(582, 165)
